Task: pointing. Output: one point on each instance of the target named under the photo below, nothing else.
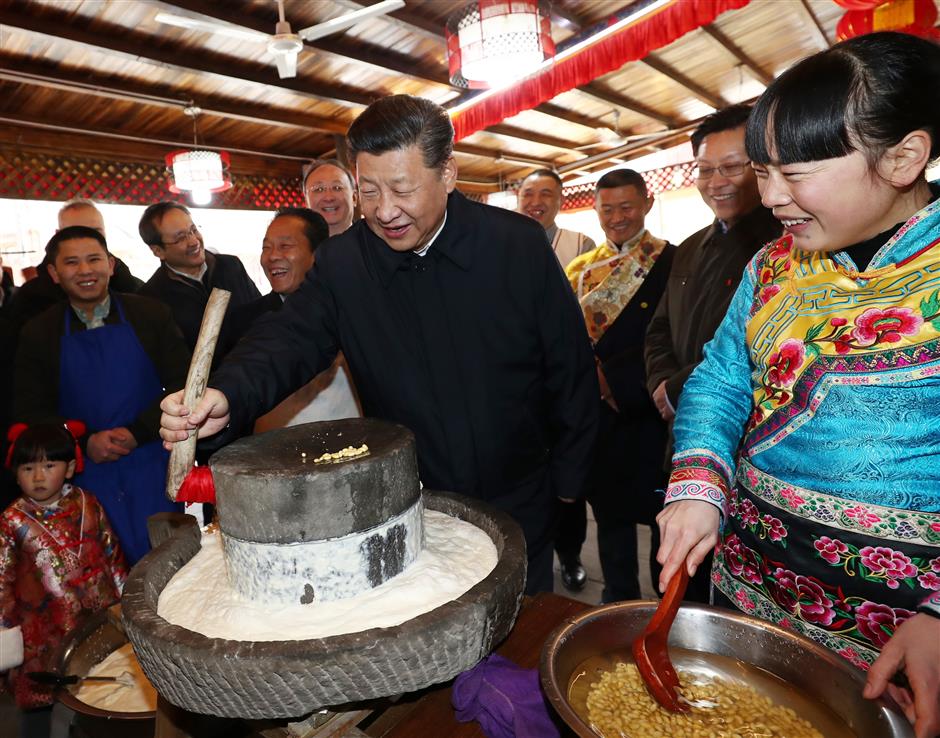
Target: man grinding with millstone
(456, 322)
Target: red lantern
(916, 17)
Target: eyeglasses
(725, 170)
(320, 189)
(182, 236)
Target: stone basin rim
(140, 606)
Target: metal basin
(87, 645)
(823, 681)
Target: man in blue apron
(104, 358)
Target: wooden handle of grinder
(183, 455)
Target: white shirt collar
(424, 249)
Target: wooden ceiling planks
(113, 66)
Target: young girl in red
(58, 559)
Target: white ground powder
(142, 697)
(456, 556)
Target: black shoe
(573, 575)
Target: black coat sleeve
(570, 381)
(36, 371)
(281, 352)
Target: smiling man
(618, 285)
(187, 272)
(104, 358)
(707, 268)
(288, 252)
(330, 190)
(456, 321)
(540, 199)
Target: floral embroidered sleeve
(7, 577)
(713, 408)
(112, 549)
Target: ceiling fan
(284, 45)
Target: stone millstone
(268, 492)
(298, 531)
(289, 679)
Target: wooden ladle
(650, 650)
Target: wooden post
(183, 454)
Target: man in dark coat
(456, 321)
(103, 358)
(187, 272)
(707, 269)
(618, 284)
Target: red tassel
(197, 486)
(15, 432)
(77, 429)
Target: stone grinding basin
(709, 640)
(288, 679)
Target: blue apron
(105, 380)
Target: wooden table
(429, 713)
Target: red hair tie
(77, 429)
(16, 430)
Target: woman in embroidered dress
(58, 559)
(808, 440)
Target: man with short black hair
(288, 252)
(330, 190)
(187, 272)
(540, 199)
(707, 269)
(104, 358)
(618, 285)
(456, 322)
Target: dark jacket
(627, 470)
(479, 348)
(240, 318)
(36, 380)
(187, 298)
(705, 274)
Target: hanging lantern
(199, 172)
(916, 17)
(492, 42)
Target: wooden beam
(116, 39)
(49, 138)
(47, 76)
(627, 103)
(728, 45)
(680, 79)
(571, 116)
(350, 50)
(525, 135)
(565, 18)
(628, 148)
(816, 29)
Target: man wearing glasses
(187, 272)
(330, 190)
(707, 267)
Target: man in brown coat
(707, 268)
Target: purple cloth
(505, 699)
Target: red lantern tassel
(197, 486)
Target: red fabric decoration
(15, 432)
(858, 4)
(77, 429)
(916, 17)
(633, 42)
(198, 486)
